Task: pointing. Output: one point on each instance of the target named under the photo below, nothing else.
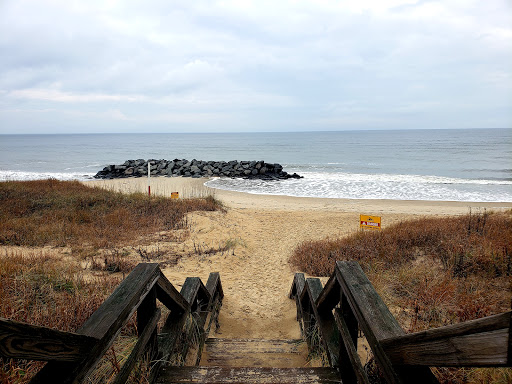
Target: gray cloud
(71, 66)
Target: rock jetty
(196, 168)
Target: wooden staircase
(331, 318)
(251, 361)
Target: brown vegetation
(431, 272)
(59, 213)
(60, 287)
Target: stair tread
(254, 353)
(249, 375)
(255, 345)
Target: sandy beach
(263, 231)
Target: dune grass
(430, 272)
(59, 213)
(43, 280)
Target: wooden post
(145, 313)
(149, 178)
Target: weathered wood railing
(73, 356)
(348, 304)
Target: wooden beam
(168, 338)
(193, 289)
(248, 375)
(297, 286)
(24, 341)
(145, 313)
(169, 296)
(214, 285)
(295, 292)
(354, 371)
(376, 321)
(139, 348)
(314, 288)
(330, 296)
(104, 324)
(478, 343)
(325, 320)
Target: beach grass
(66, 213)
(431, 272)
(47, 229)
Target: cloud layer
(239, 65)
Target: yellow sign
(175, 195)
(370, 222)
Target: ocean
(452, 165)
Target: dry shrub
(58, 213)
(431, 272)
(472, 244)
(41, 289)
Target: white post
(149, 179)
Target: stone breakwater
(196, 169)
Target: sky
(93, 66)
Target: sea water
(453, 165)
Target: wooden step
(254, 353)
(248, 375)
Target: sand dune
(264, 230)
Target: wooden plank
(193, 289)
(169, 295)
(478, 343)
(213, 315)
(366, 304)
(145, 313)
(376, 321)
(139, 348)
(104, 324)
(212, 312)
(199, 298)
(249, 346)
(167, 340)
(295, 292)
(249, 375)
(254, 353)
(330, 296)
(24, 341)
(350, 319)
(121, 305)
(354, 371)
(314, 286)
(297, 286)
(213, 285)
(328, 331)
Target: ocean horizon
(435, 165)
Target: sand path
(256, 275)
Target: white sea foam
(380, 186)
(18, 175)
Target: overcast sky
(213, 66)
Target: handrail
(23, 341)
(73, 356)
(348, 303)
